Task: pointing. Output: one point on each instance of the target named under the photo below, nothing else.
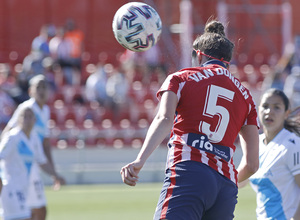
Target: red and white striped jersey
(212, 107)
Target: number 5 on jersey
(211, 109)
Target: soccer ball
(137, 26)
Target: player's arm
(6, 149)
(49, 167)
(47, 150)
(249, 140)
(158, 130)
(297, 214)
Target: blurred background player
(210, 107)
(277, 181)
(20, 154)
(38, 91)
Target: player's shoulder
(28, 103)
(12, 135)
(14, 131)
(291, 140)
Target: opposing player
(20, 152)
(277, 181)
(38, 91)
(210, 107)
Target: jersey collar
(210, 62)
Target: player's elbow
(252, 166)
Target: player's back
(212, 107)
(212, 102)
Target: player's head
(26, 119)
(213, 43)
(274, 110)
(38, 89)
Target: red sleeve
(171, 83)
(252, 118)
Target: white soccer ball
(137, 26)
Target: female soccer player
(204, 107)
(38, 91)
(277, 181)
(20, 153)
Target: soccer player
(38, 91)
(277, 181)
(204, 107)
(20, 153)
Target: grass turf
(118, 201)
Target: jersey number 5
(211, 109)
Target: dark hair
(213, 42)
(292, 122)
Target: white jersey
(36, 194)
(18, 156)
(278, 195)
(42, 116)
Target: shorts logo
(201, 142)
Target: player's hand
(58, 182)
(130, 172)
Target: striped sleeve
(172, 83)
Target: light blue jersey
(278, 195)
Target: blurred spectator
(60, 50)
(290, 57)
(95, 86)
(292, 87)
(295, 60)
(41, 42)
(275, 80)
(7, 106)
(117, 88)
(144, 66)
(48, 65)
(7, 80)
(76, 36)
(152, 59)
(9, 84)
(32, 64)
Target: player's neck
(40, 104)
(270, 135)
(26, 132)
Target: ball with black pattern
(137, 26)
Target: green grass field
(115, 202)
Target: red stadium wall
(20, 22)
